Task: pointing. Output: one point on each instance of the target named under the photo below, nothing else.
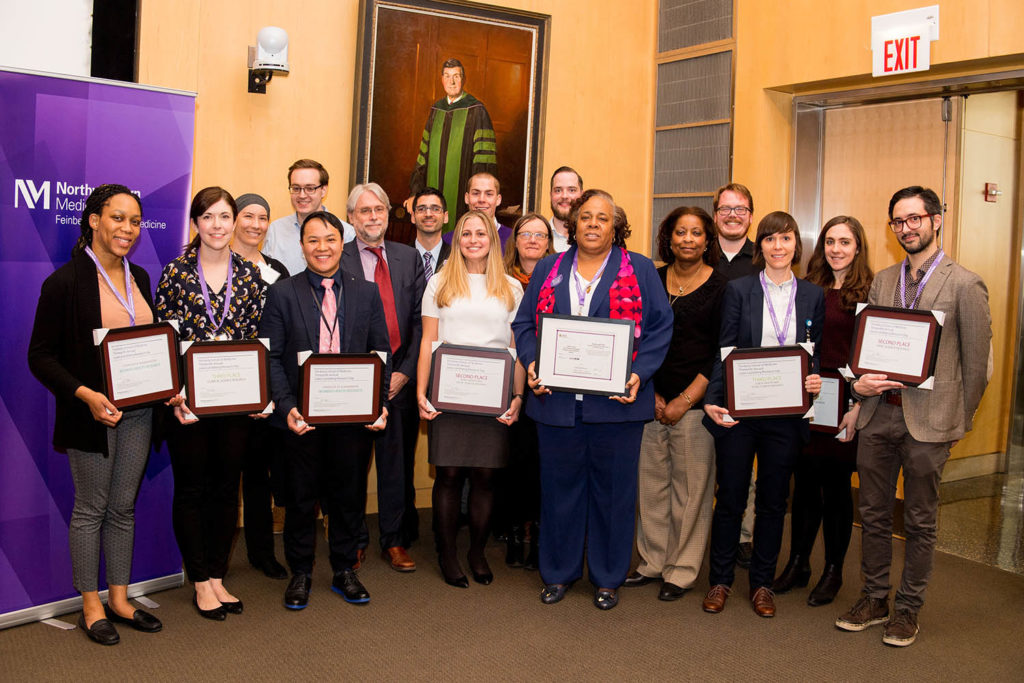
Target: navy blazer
(291, 321)
(559, 408)
(742, 320)
(407, 283)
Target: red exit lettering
(901, 54)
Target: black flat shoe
(140, 621)
(553, 592)
(296, 596)
(827, 588)
(235, 607)
(102, 631)
(670, 592)
(605, 598)
(216, 614)
(270, 567)
(347, 585)
(797, 574)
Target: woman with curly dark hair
(677, 455)
(821, 495)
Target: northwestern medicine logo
(67, 197)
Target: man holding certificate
(914, 428)
(770, 309)
(322, 309)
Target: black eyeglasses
(303, 189)
(913, 222)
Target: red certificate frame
(110, 367)
(739, 360)
(308, 388)
(206, 348)
(468, 354)
(863, 348)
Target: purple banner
(61, 138)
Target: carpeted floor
(417, 628)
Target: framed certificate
(766, 381)
(471, 379)
(341, 388)
(584, 355)
(140, 364)
(897, 342)
(227, 377)
(830, 406)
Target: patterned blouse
(179, 296)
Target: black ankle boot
(532, 557)
(830, 583)
(514, 547)
(796, 575)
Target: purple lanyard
(779, 334)
(581, 294)
(129, 304)
(920, 285)
(206, 293)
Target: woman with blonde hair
(470, 302)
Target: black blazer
(61, 353)
(407, 283)
(291, 320)
(442, 256)
(742, 318)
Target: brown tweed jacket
(946, 412)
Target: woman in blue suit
(772, 308)
(589, 445)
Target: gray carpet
(417, 628)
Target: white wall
(46, 35)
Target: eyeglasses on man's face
(912, 221)
(423, 210)
(303, 189)
(738, 210)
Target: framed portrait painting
(446, 90)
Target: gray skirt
(467, 441)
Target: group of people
(568, 471)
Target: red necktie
(330, 339)
(382, 276)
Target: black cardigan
(61, 353)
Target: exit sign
(901, 42)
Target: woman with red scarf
(590, 444)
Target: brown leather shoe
(360, 556)
(399, 559)
(714, 601)
(763, 602)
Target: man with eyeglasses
(914, 428)
(734, 211)
(307, 188)
(398, 272)
(566, 186)
(429, 215)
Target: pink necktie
(329, 340)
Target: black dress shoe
(796, 575)
(102, 631)
(216, 614)
(270, 567)
(140, 621)
(605, 598)
(635, 579)
(830, 583)
(670, 592)
(235, 607)
(553, 592)
(347, 585)
(296, 595)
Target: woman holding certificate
(532, 240)
(590, 442)
(214, 294)
(107, 449)
(772, 308)
(821, 494)
(470, 302)
(677, 456)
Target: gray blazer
(946, 412)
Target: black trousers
(777, 442)
(325, 465)
(259, 485)
(206, 458)
(389, 454)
